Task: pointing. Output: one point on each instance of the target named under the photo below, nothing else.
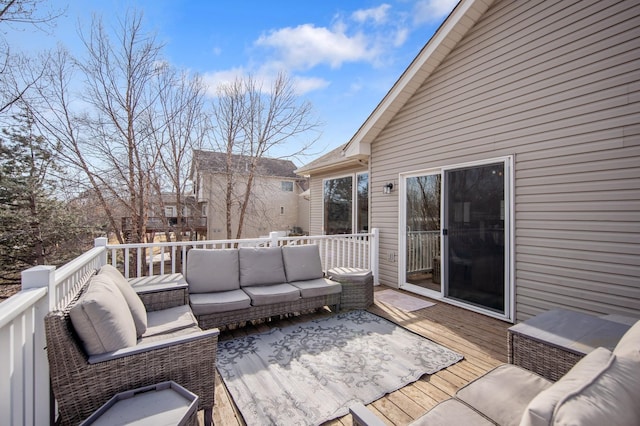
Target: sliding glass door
(474, 235)
(423, 231)
(456, 233)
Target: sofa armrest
(146, 347)
(163, 296)
(362, 416)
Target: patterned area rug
(401, 300)
(311, 373)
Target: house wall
(264, 213)
(556, 85)
(304, 205)
(316, 196)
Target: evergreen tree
(36, 228)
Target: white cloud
(378, 14)
(401, 36)
(215, 79)
(265, 76)
(306, 46)
(432, 10)
(305, 85)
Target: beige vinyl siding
(316, 196)
(557, 85)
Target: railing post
(274, 236)
(102, 242)
(374, 243)
(37, 277)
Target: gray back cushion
(302, 263)
(212, 270)
(138, 311)
(261, 266)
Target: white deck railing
(422, 248)
(25, 397)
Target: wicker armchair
(82, 384)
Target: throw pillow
(138, 311)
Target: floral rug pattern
(310, 373)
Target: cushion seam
(581, 388)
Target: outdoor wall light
(387, 188)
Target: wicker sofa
(107, 341)
(230, 286)
(603, 388)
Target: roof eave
(452, 30)
(327, 167)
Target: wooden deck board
(481, 339)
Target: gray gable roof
(216, 162)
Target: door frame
(509, 209)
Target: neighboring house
(277, 201)
(163, 217)
(504, 164)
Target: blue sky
(343, 56)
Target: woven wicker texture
(259, 312)
(159, 300)
(357, 291)
(548, 361)
(81, 388)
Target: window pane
(338, 205)
(476, 239)
(287, 186)
(362, 207)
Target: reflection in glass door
(423, 231)
(474, 229)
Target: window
(341, 214)
(362, 204)
(286, 186)
(281, 209)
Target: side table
(165, 403)
(161, 291)
(551, 343)
(357, 287)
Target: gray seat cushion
(138, 311)
(317, 287)
(169, 320)
(102, 318)
(260, 266)
(452, 412)
(302, 263)
(211, 270)
(176, 333)
(224, 301)
(503, 394)
(270, 294)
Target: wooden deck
(482, 341)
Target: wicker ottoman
(551, 343)
(357, 287)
